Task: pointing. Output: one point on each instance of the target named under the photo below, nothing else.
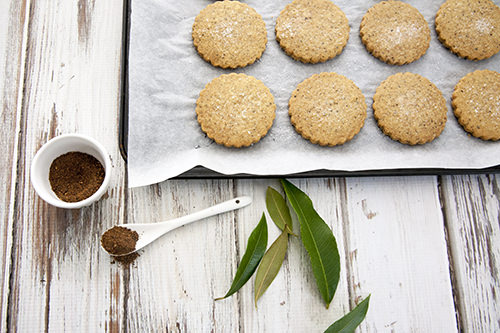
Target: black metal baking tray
(200, 172)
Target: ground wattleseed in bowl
(75, 176)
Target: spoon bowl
(149, 232)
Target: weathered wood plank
(13, 26)
(472, 208)
(60, 277)
(175, 280)
(397, 252)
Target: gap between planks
(456, 297)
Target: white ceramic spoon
(149, 232)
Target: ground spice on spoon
(120, 240)
(75, 176)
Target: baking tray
(200, 172)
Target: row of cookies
(237, 110)
(397, 33)
(231, 34)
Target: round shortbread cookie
(469, 28)
(395, 32)
(476, 103)
(409, 108)
(235, 110)
(312, 31)
(229, 34)
(327, 109)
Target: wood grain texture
(60, 279)
(472, 208)
(397, 252)
(13, 27)
(174, 282)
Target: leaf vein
(315, 246)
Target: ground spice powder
(126, 260)
(119, 240)
(75, 176)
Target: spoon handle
(223, 207)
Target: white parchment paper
(166, 75)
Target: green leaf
(270, 265)
(349, 322)
(318, 240)
(278, 210)
(256, 246)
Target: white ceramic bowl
(61, 145)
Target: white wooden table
(426, 248)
